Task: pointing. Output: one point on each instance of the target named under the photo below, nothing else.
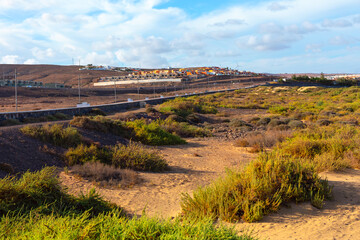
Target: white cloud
(340, 40)
(315, 48)
(146, 52)
(43, 54)
(274, 6)
(95, 58)
(31, 61)
(269, 42)
(10, 59)
(141, 32)
(338, 23)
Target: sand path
(192, 165)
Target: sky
(290, 36)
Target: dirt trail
(195, 164)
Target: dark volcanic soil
(24, 153)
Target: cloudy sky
(258, 35)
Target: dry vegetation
(302, 133)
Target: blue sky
(289, 36)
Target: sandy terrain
(202, 161)
(193, 165)
(339, 219)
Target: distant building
(20, 83)
(54, 85)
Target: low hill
(67, 75)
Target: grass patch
(101, 124)
(183, 129)
(134, 156)
(331, 147)
(183, 107)
(106, 175)
(153, 133)
(259, 189)
(261, 140)
(111, 226)
(139, 130)
(55, 134)
(42, 193)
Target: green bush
(324, 147)
(101, 124)
(139, 130)
(137, 157)
(55, 134)
(40, 192)
(82, 154)
(259, 189)
(133, 156)
(185, 106)
(152, 133)
(182, 129)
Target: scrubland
(293, 133)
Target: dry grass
(260, 140)
(106, 175)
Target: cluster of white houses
(346, 76)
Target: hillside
(54, 73)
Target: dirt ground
(192, 165)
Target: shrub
(296, 124)
(183, 129)
(137, 157)
(263, 121)
(42, 193)
(55, 134)
(139, 130)
(263, 139)
(150, 109)
(176, 118)
(186, 106)
(193, 118)
(259, 189)
(106, 175)
(152, 133)
(101, 124)
(239, 123)
(324, 122)
(134, 156)
(82, 154)
(325, 148)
